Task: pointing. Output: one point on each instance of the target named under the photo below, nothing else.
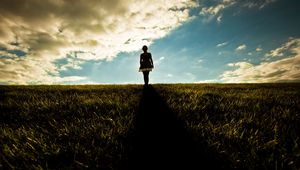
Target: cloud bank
(281, 70)
(50, 30)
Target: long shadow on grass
(162, 142)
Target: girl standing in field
(146, 64)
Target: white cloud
(31, 71)
(208, 81)
(8, 54)
(159, 61)
(219, 18)
(258, 4)
(279, 52)
(72, 64)
(241, 47)
(170, 75)
(282, 70)
(211, 12)
(222, 44)
(258, 49)
(214, 10)
(197, 64)
(161, 58)
(50, 30)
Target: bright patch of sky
(190, 41)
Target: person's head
(145, 48)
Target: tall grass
(65, 126)
(254, 126)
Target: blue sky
(225, 41)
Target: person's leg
(146, 77)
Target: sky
(191, 41)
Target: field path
(161, 141)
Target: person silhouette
(146, 64)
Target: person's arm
(141, 60)
(151, 60)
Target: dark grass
(253, 126)
(57, 127)
(162, 142)
(214, 126)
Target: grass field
(247, 126)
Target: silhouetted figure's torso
(146, 61)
